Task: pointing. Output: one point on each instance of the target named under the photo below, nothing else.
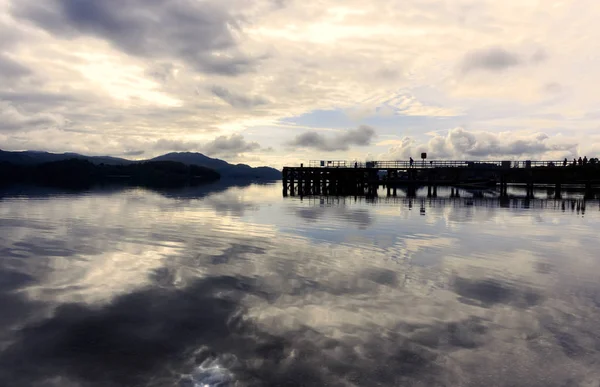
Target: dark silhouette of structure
(338, 178)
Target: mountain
(223, 167)
(36, 157)
(78, 173)
(226, 170)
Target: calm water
(240, 287)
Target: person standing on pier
(580, 161)
(411, 161)
(565, 162)
(585, 160)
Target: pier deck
(353, 178)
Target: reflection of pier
(573, 205)
(344, 178)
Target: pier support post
(589, 192)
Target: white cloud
(459, 143)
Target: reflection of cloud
(490, 292)
(274, 307)
(360, 217)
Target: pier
(341, 178)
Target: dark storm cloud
(238, 100)
(361, 136)
(490, 59)
(199, 33)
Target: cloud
(224, 146)
(134, 153)
(489, 59)
(125, 72)
(229, 146)
(461, 144)
(238, 100)
(176, 145)
(10, 68)
(361, 136)
(200, 34)
(497, 59)
(14, 119)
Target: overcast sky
(275, 82)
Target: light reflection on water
(123, 287)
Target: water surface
(238, 286)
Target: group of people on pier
(580, 161)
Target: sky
(280, 82)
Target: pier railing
(434, 164)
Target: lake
(239, 286)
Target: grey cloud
(13, 119)
(361, 136)
(176, 145)
(12, 69)
(220, 146)
(238, 100)
(539, 55)
(162, 72)
(133, 153)
(497, 59)
(490, 59)
(229, 146)
(552, 88)
(201, 34)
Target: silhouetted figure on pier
(565, 162)
(355, 164)
(580, 161)
(585, 160)
(411, 161)
(574, 161)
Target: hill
(38, 157)
(78, 173)
(226, 170)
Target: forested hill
(78, 173)
(225, 169)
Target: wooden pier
(364, 179)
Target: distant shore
(77, 173)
